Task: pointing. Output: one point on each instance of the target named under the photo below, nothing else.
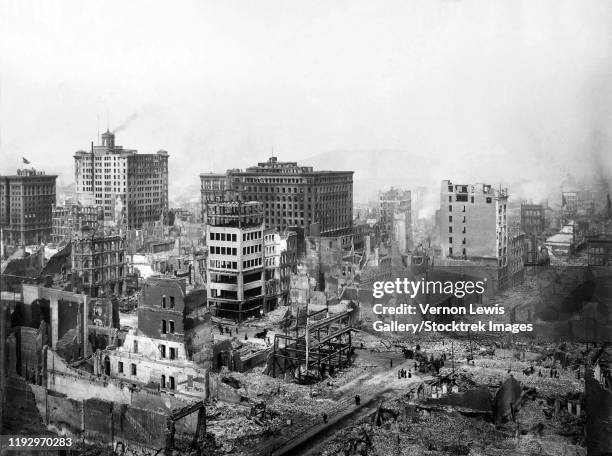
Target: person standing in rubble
(325, 418)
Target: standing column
(85, 324)
(54, 321)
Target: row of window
(223, 264)
(251, 236)
(215, 250)
(250, 249)
(229, 237)
(251, 263)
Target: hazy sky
(404, 92)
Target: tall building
(532, 218)
(473, 222)
(129, 186)
(213, 187)
(99, 262)
(26, 201)
(235, 264)
(395, 216)
(296, 196)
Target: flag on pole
(25, 161)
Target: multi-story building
(280, 259)
(26, 201)
(156, 354)
(473, 222)
(235, 263)
(68, 219)
(395, 208)
(213, 187)
(420, 195)
(599, 250)
(296, 196)
(99, 261)
(532, 218)
(569, 202)
(130, 187)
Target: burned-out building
(395, 217)
(68, 219)
(155, 353)
(76, 324)
(26, 201)
(532, 218)
(99, 262)
(213, 187)
(599, 250)
(577, 203)
(280, 258)
(235, 263)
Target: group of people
(225, 330)
(403, 373)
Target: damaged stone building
(533, 220)
(72, 324)
(395, 217)
(71, 218)
(155, 354)
(99, 261)
(280, 257)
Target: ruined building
(155, 354)
(577, 203)
(599, 250)
(292, 195)
(395, 221)
(280, 259)
(75, 323)
(473, 222)
(532, 218)
(26, 201)
(68, 219)
(129, 186)
(99, 262)
(213, 187)
(235, 264)
(320, 346)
